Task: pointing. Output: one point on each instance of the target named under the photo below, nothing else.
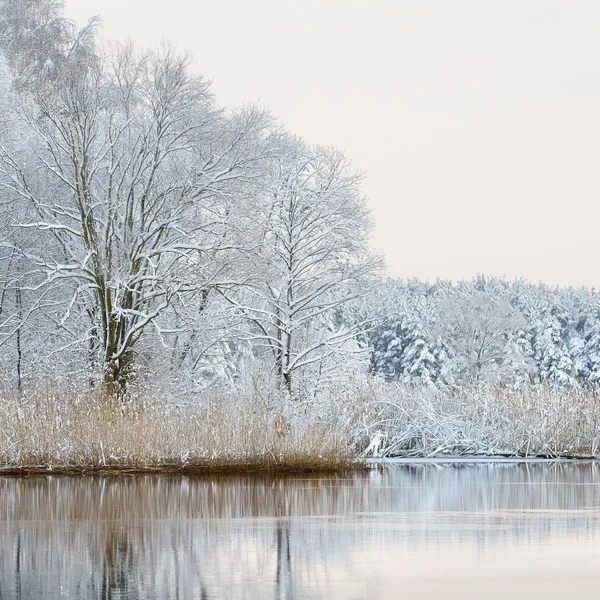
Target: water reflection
(418, 530)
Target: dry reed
(77, 433)
(73, 432)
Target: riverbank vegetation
(522, 420)
(226, 431)
(68, 433)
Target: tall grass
(83, 432)
(522, 420)
(74, 431)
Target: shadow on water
(283, 537)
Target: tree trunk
(19, 302)
(117, 374)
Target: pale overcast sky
(476, 122)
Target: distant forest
(485, 329)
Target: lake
(418, 530)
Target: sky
(476, 123)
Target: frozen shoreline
(482, 459)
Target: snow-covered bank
(477, 460)
(524, 420)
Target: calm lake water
(406, 531)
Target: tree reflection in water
(278, 537)
(283, 577)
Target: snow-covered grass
(523, 420)
(225, 430)
(73, 432)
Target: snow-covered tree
(481, 330)
(550, 338)
(41, 43)
(129, 182)
(311, 258)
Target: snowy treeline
(485, 329)
(147, 234)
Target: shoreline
(208, 468)
(475, 459)
(204, 468)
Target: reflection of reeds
(94, 434)
(518, 492)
